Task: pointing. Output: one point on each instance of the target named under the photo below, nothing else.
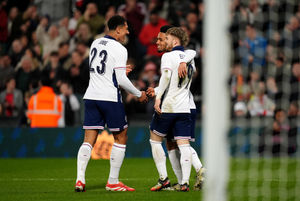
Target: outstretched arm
(125, 83)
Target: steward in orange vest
(45, 107)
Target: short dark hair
(115, 21)
(165, 28)
(45, 80)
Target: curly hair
(180, 34)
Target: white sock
(174, 157)
(186, 162)
(116, 159)
(83, 157)
(159, 157)
(195, 160)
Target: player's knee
(171, 145)
(120, 137)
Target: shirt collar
(180, 48)
(109, 37)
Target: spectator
(22, 24)
(54, 37)
(282, 76)
(149, 33)
(83, 34)
(64, 56)
(3, 27)
(16, 52)
(149, 77)
(260, 104)
(25, 74)
(236, 83)
(36, 64)
(54, 71)
(272, 89)
(70, 107)
(92, 18)
(78, 74)
(255, 14)
(295, 82)
(11, 99)
(240, 109)
(45, 107)
(84, 50)
(73, 22)
(280, 131)
(253, 50)
(291, 39)
(56, 9)
(178, 10)
(6, 70)
(135, 13)
(293, 116)
(13, 13)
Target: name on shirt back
(103, 42)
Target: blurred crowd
(52, 37)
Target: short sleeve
(121, 58)
(166, 62)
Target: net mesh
(264, 87)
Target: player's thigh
(182, 127)
(115, 116)
(93, 118)
(161, 124)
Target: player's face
(169, 42)
(161, 42)
(123, 31)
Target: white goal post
(216, 99)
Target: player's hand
(150, 92)
(143, 98)
(157, 106)
(128, 69)
(182, 70)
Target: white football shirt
(176, 99)
(106, 54)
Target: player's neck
(113, 35)
(178, 47)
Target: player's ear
(118, 29)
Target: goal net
(263, 86)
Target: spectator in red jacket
(149, 33)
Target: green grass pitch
(54, 180)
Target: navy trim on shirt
(109, 37)
(181, 48)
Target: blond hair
(180, 34)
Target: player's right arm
(164, 81)
(182, 70)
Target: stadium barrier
(65, 142)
